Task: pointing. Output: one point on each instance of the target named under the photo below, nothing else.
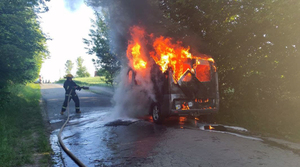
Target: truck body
(195, 93)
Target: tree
(255, 46)
(81, 70)
(22, 43)
(107, 64)
(254, 43)
(69, 66)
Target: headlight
(178, 106)
(190, 104)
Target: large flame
(171, 55)
(135, 53)
(167, 54)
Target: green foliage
(22, 44)
(254, 43)
(69, 66)
(81, 70)
(108, 64)
(22, 132)
(22, 50)
(255, 46)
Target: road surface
(99, 139)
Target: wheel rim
(155, 113)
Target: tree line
(254, 43)
(81, 70)
(22, 43)
(255, 46)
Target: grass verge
(88, 81)
(23, 140)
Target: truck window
(203, 73)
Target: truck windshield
(202, 69)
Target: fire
(171, 55)
(138, 63)
(211, 59)
(188, 77)
(182, 120)
(185, 106)
(167, 54)
(135, 53)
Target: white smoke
(132, 100)
(73, 5)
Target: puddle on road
(217, 128)
(88, 119)
(188, 123)
(237, 135)
(87, 132)
(236, 128)
(82, 122)
(55, 121)
(56, 156)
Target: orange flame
(185, 106)
(167, 54)
(171, 55)
(138, 63)
(135, 54)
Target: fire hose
(67, 151)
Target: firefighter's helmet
(69, 76)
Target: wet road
(97, 139)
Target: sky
(66, 24)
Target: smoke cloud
(133, 100)
(125, 13)
(73, 5)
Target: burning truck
(177, 83)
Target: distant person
(69, 85)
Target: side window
(203, 71)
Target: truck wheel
(156, 113)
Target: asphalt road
(97, 138)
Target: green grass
(87, 81)
(22, 131)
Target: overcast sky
(66, 24)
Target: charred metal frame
(168, 92)
(173, 93)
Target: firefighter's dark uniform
(69, 85)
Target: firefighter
(69, 85)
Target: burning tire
(156, 113)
